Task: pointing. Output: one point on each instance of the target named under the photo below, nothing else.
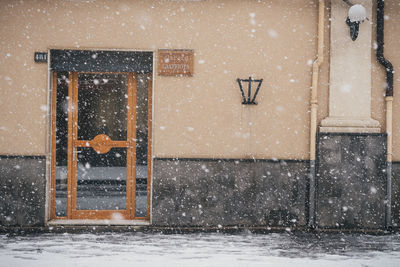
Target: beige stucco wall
(199, 116)
(392, 53)
(209, 120)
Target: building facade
(139, 113)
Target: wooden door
(103, 146)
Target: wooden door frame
(130, 212)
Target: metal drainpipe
(380, 11)
(313, 119)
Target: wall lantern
(250, 100)
(356, 15)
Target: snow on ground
(199, 249)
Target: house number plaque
(175, 62)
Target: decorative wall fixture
(250, 100)
(357, 14)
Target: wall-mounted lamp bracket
(357, 14)
(250, 100)
(354, 27)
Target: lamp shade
(357, 13)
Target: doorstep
(99, 222)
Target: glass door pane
(101, 179)
(101, 125)
(142, 143)
(102, 141)
(102, 105)
(61, 83)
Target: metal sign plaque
(41, 57)
(175, 62)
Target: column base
(349, 125)
(351, 181)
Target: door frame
(74, 144)
(50, 217)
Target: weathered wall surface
(229, 192)
(396, 195)
(22, 191)
(351, 180)
(200, 116)
(392, 45)
(249, 38)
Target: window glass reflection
(102, 105)
(101, 179)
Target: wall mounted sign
(41, 57)
(175, 62)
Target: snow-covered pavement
(199, 249)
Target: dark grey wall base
(22, 191)
(188, 192)
(350, 189)
(351, 180)
(396, 194)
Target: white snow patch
(375, 45)
(252, 20)
(246, 135)
(272, 33)
(117, 216)
(346, 88)
(43, 107)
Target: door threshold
(99, 222)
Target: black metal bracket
(354, 27)
(249, 100)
